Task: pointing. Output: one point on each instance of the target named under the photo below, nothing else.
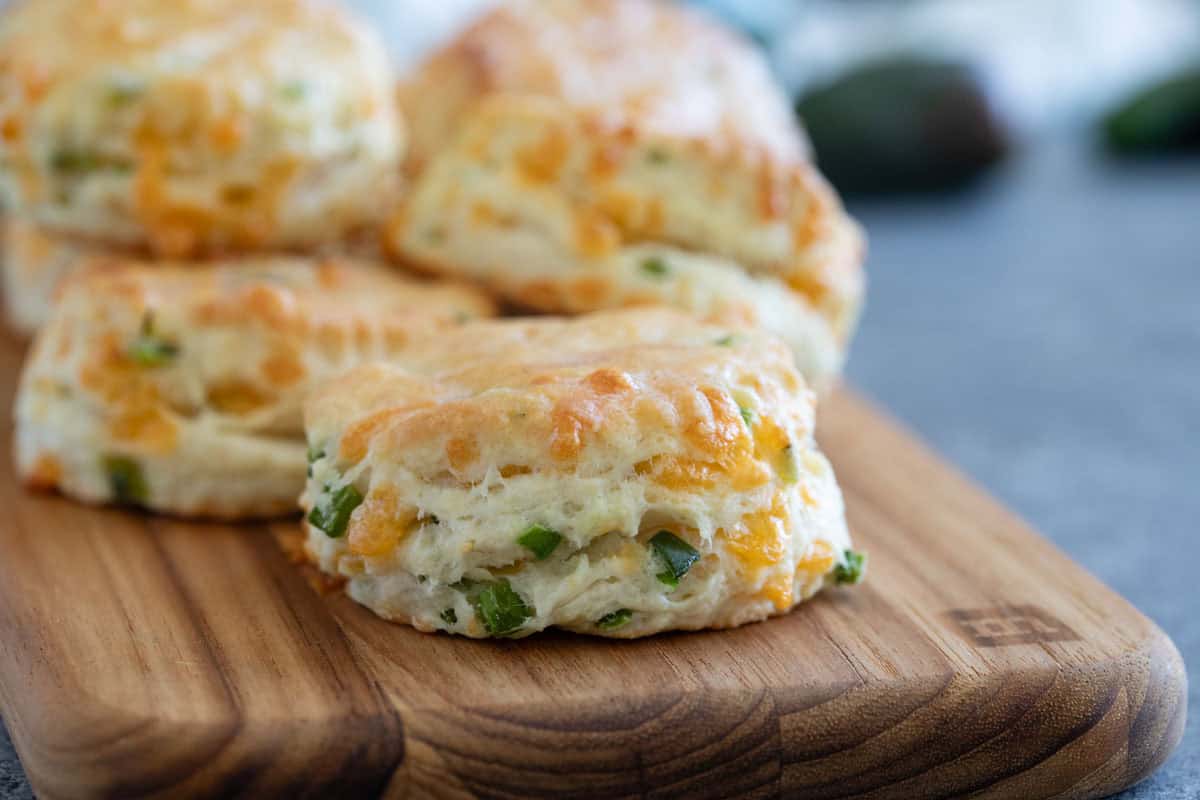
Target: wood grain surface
(145, 656)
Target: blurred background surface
(1028, 172)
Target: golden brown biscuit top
(668, 69)
(624, 185)
(211, 75)
(652, 387)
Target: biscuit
(196, 127)
(620, 474)
(672, 69)
(179, 387)
(548, 206)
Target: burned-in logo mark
(1005, 625)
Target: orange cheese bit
(772, 446)
(655, 217)
(542, 162)
(538, 294)
(11, 129)
(583, 410)
(760, 540)
(679, 473)
(379, 523)
(714, 424)
(146, 425)
(807, 497)
(606, 161)
(275, 305)
(357, 438)
(779, 590)
(770, 439)
(35, 80)
(236, 397)
(283, 368)
(772, 197)
(815, 223)
(462, 452)
(174, 230)
(609, 381)
(819, 559)
(137, 415)
(483, 215)
(568, 426)
(811, 287)
(715, 427)
(513, 470)
(622, 206)
(226, 134)
(594, 234)
(590, 292)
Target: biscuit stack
(194, 190)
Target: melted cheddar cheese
(819, 559)
(760, 540)
(283, 368)
(145, 424)
(739, 461)
(237, 398)
(380, 523)
(137, 415)
(542, 162)
(772, 446)
(595, 235)
(678, 473)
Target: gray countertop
(1043, 332)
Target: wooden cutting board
(148, 656)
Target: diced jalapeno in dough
(125, 480)
(294, 90)
(332, 512)
(540, 540)
(150, 349)
(501, 610)
(81, 162)
(655, 267)
(675, 554)
(617, 619)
